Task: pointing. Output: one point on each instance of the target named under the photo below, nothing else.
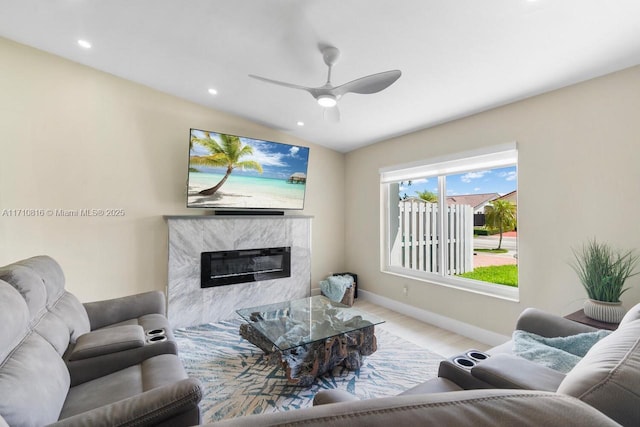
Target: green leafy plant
(603, 270)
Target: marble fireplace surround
(189, 235)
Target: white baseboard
(453, 325)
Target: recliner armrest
(478, 408)
(549, 325)
(107, 341)
(108, 312)
(159, 405)
(324, 397)
(513, 372)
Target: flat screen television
(238, 173)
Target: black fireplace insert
(241, 266)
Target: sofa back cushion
(608, 377)
(14, 318)
(632, 315)
(50, 274)
(55, 314)
(34, 380)
(28, 284)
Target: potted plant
(603, 271)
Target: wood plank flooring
(438, 340)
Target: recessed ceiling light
(300, 123)
(212, 91)
(85, 44)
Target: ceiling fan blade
(369, 84)
(276, 82)
(331, 114)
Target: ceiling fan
(328, 95)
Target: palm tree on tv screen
(226, 153)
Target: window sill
(504, 292)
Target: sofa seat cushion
(608, 377)
(156, 372)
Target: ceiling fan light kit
(327, 101)
(328, 95)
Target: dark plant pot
(608, 312)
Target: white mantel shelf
(190, 235)
(218, 217)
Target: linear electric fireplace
(240, 266)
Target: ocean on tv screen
(245, 192)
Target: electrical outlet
(405, 290)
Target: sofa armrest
(549, 325)
(107, 341)
(478, 408)
(325, 397)
(513, 372)
(108, 312)
(177, 402)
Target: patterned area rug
(238, 380)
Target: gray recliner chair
(607, 377)
(71, 364)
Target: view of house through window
(461, 226)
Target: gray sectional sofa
(97, 364)
(603, 389)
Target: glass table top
(291, 324)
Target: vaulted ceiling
(457, 57)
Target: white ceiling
(457, 57)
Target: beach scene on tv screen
(228, 171)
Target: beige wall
(579, 177)
(75, 138)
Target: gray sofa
(104, 363)
(502, 390)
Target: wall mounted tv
(238, 173)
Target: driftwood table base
(305, 363)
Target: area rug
(238, 381)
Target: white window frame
(486, 158)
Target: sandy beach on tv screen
(238, 197)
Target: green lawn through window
(500, 274)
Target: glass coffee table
(310, 336)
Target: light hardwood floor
(438, 340)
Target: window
(453, 221)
